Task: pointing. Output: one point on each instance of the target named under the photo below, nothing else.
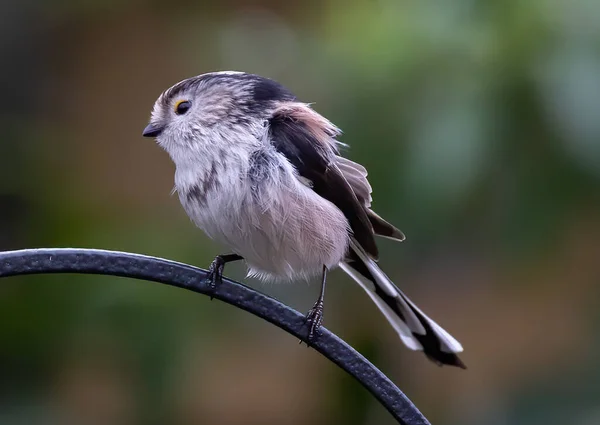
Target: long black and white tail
(417, 331)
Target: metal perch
(95, 261)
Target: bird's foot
(215, 275)
(314, 318)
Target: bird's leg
(314, 317)
(215, 271)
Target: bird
(263, 174)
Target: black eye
(182, 107)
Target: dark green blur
(479, 122)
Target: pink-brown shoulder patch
(323, 129)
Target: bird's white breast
(282, 228)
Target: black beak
(152, 130)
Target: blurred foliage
(478, 122)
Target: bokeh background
(480, 124)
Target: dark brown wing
(356, 175)
(306, 139)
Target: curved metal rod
(95, 261)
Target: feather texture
(262, 173)
(417, 331)
(306, 140)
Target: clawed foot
(314, 318)
(215, 275)
(215, 271)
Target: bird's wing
(356, 175)
(307, 140)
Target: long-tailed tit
(262, 173)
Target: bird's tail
(417, 331)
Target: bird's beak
(152, 130)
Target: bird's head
(220, 106)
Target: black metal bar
(94, 261)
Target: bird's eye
(182, 106)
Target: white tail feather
(390, 289)
(412, 324)
(449, 343)
(398, 325)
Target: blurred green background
(480, 124)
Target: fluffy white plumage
(283, 229)
(249, 187)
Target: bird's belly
(286, 237)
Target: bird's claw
(314, 318)
(215, 275)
